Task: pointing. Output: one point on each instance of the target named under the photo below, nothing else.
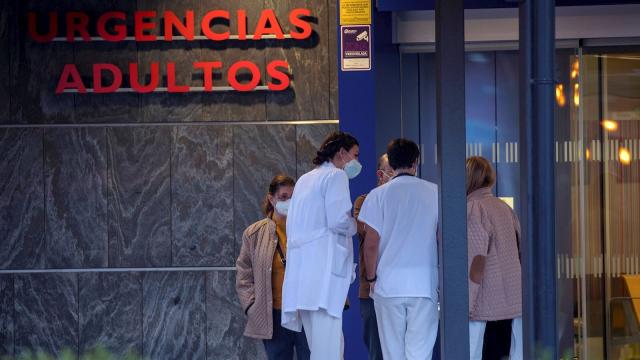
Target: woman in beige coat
(260, 275)
(495, 290)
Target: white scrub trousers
(408, 327)
(476, 338)
(324, 334)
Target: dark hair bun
(332, 145)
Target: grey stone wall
(121, 214)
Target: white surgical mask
(282, 207)
(353, 168)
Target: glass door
(605, 198)
(579, 211)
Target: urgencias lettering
(112, 25)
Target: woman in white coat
(320, 250)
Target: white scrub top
(320, 263)
(404, 212)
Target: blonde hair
(480, 174)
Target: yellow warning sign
(355, 12)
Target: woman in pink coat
(493, 233)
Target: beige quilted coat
(253, 278)
(495, 290)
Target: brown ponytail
(276, 183)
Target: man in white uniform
(320, 264)
(401, 256)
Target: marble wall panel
(308, 96)
(22, 243)
(46, 313)
(106, 108)
(234, 106)
(174, 320)
(95, 8)
(202, 196)
(5, 15)
(333, 59)
(6, 316)
(37, 67)
(312, 96)
(171, 107)
(174, 107)
(139, 196)
(110, 312)
(75, 178)
(260, 152)
(226, 321)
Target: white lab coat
(320, 263)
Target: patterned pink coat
(495, 289)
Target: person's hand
(372, 286)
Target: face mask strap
(385, 174)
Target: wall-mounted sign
(355, 12)
(355, 47)
(112, 27)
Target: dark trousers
(284, 341)
(370, 329)
(497, 340)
